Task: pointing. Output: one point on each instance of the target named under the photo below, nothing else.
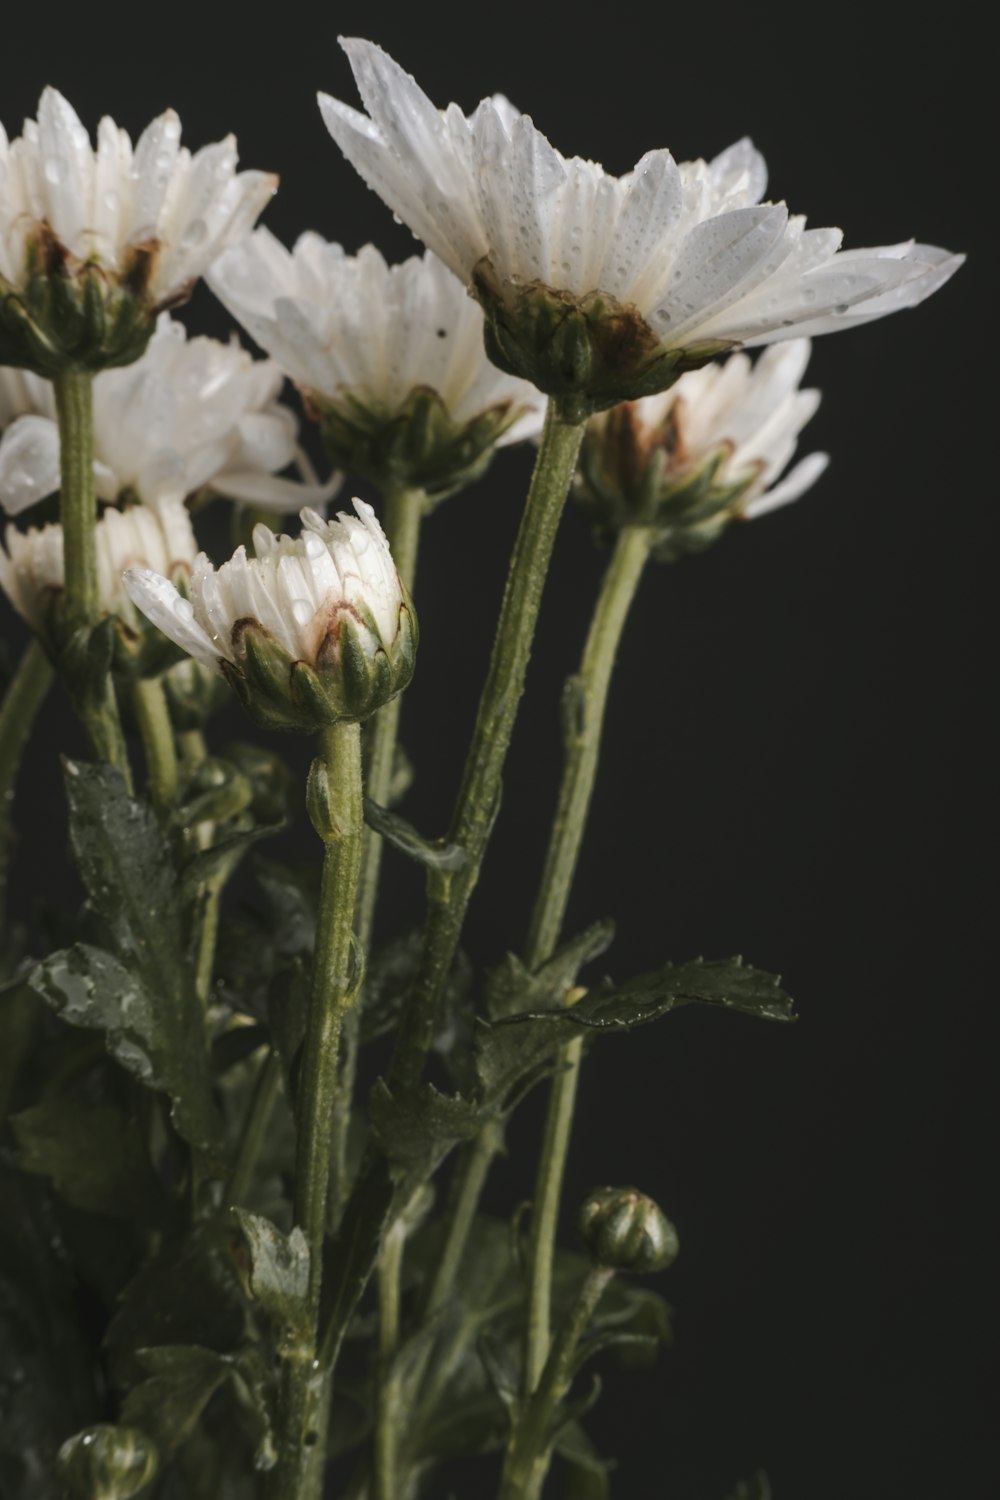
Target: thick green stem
(527, 1459)
(258, 1117)
(337, 813)
(91, 689)
(153, 717)
(478, 798)
(404, 510)
(22, 700)
(584, 708)
(389, 1418)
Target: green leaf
(188, 1294)
(183, 1379)
(47, 1368)
(221, 859)
(278, 1273)
(292, 894)
(726, 982)
(587, 1478)
(417, 1130)
(93, 1154)
(387, 983)
(511, 988)
(154, 1042)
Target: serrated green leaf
(511, 988)
(183, 1379)
(278, 1273)
(155, 1043)
(417, 1130)
(726, 982)
(93, 1156)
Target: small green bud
(626, 1231)
(106, 1463)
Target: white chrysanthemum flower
(190, 415)
(32, 572)
(391, 357)
(140, 223)
(675, 259)
(314, 629)
(708, 451)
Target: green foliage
(277, 1275)
(93, 1154)
(756, 1488)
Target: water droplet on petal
(302, 611)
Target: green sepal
(70, 313)
(417, 445)
(106, 1463)
(587, 353)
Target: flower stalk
(335, 809)
(585, 703)
(149, 702)
(478, 797)
(95, 700)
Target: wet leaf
(154, 1042)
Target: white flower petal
(29, 463)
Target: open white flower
(670, 263)
(391, 357)
(136, 226)
(315, 629)
(32, 572)
(708, 451)
(190, 415)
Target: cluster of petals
(689, 245)
(752, 410)
(102, 203)
(32, 569)
(191, 414)
(293, 588)
(352, 327)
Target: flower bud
(691, 460)
(626, 1231)
(314, 630)
(106, 1463)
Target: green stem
(210, 898)
(584, 706)
(527, 1459)
(91, 689)
(305, 1389)
(404, 510)
(153, 717)
(478, 798)
(389, 1418)
(22, 700)
(258, 1117)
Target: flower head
(626, 1231)
(708, 451)
(32, 572)
(94, 241)
(313, 630)
(390, 358)
(190, 415)
(601, 288)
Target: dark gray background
(797, 744)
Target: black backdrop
(797, 743)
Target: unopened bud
(626, 1231)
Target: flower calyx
(626, 1231)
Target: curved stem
(479, 795)
(153, 717)
(91, 689)
(527, 1459)
(584, 708)
(404, 510)
(299, 1470)
(24, 697)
